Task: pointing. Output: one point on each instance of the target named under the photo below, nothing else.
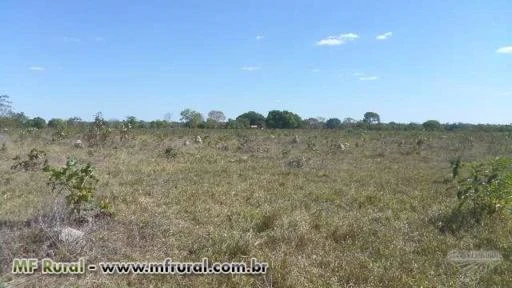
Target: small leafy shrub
(170, 153)
(487, 187)
(456, 165)
(99, 132)
(78, 182)
(4, 148)
(58, 135)
(36, 160)
(125, 132)
(420, 143)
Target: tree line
(275, 119)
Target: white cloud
(36, 68)
(368, 78)
(358, 74)
(71, 39)
(259, 37)
(505, 50)
(337, 40)
(384, 36)
(250, 68)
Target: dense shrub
(487, 187)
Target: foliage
(74, 122)
(215, 119)
(99, 132)
(133, 122)
(217, 116)
(371, 118)
(487, 187)
(333, 123)
(77, 181)
(36, 160)
(254, 118)
(159, 124)
(59, 126)
(238, 124)
(191, 118)
(314, 123)
(456, 165)
(56, 123)
(283, 120)
(125, 129)
(432, 125)
(37, 122)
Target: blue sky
(406, 60)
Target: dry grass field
(377, 213)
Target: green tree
(191, 118)
(238, 124)
(254, 118)
(333, 123)
(37, 122)
(432, 125)
(74, 122)
(349, 121)
(132, 121)
(283, 120)
(371, 118)
(56, 123)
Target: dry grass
(368, 216)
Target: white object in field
(71, 236)
(78, 144)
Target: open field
(375, 214)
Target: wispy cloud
(384, 36)
(363, 77)
(250, 68)
(36, 68)
(337, 40)
(71, 39)
(259, 37)
(368, 78)
(505, 50)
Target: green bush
(78, 182)
(487, 187)
(36, 160)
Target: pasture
(376, 211)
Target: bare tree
(5, 105)
(217, 116)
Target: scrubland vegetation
(382, 212)
(324, 207)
